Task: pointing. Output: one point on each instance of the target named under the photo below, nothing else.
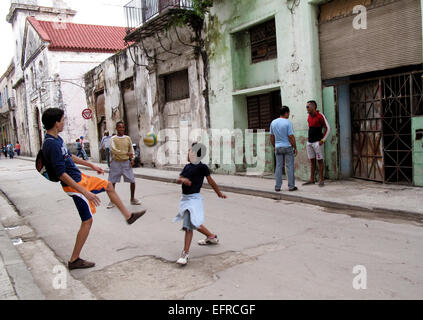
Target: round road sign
(87, 114)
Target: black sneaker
(80, 264)
(135, 216)
(293, 189)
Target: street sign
(87, 114)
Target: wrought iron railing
(137, 12)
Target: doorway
(381, 112)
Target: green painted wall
(331, 145)
(296, 71)
(246, 74)
(417, 124)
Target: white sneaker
(110, 205)
(183, 260)
(208, 241)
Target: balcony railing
(137, 12)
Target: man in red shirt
(316, 122)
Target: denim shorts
(186, 224)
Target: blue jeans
(108, 156)
(288, 154)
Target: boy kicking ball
(82, 188)
(191, 209)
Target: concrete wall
(296, 71)
(331, 146)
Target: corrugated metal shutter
(393, 38)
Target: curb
(389, 213)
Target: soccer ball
(150, 139)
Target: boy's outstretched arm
(215, 187)
(87, 164)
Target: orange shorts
(93, 184)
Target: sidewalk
(16, 280)
(353, 194)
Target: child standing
(191, 206)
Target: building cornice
(15, 7)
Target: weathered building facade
(27, 130)
(263, 54)
(8, 127)
(157, 84)
(371, 61)
(50, 62)
(367, 81)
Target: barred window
(263, 109)
(263, 42)
(177, 85)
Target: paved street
(270, 249)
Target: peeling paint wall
(153, 112)
(296, 71)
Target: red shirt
(315, 126)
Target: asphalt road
(269, 249)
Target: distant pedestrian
(83, 153)
(191, 206)
(79, 152)
(82, 188)
(283, 141)
(105, 145)
(122, 161)
(316, 138)
(18, 148)
(10, 150)
(4, 149)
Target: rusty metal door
(381, 112)
(367, 135)
(397, 98)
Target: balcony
(139, 12)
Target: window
(176, 86)
(263, 42)
(263, 109)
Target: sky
(100, 12)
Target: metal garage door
(393, 37)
